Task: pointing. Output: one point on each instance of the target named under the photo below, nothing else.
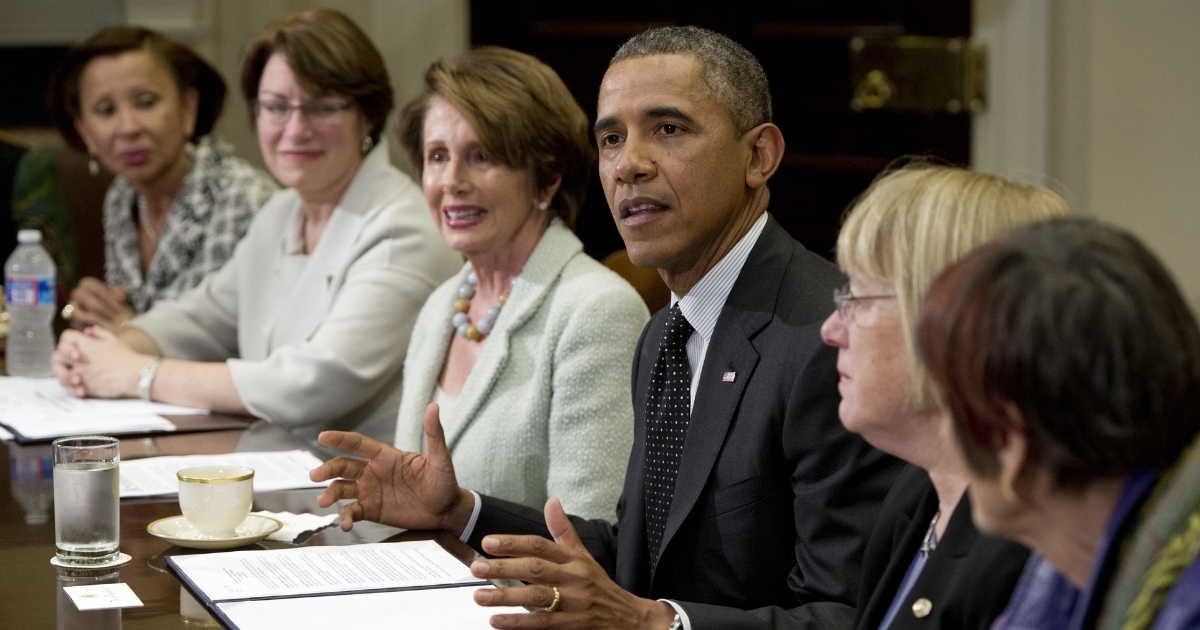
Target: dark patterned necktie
(668, 412)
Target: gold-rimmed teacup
(216, 499)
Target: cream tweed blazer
(546, 411)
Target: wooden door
(833, 152)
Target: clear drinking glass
(86, 500)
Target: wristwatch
(146, 378)
(676, 623)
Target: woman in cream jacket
(528, 350)
(307, 324)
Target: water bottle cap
(29, 236)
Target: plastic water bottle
(29, 290)
(30, 474)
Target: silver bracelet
(146, 378)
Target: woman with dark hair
(307, 323)
(143, 106)
(1070, 363)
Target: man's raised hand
(394, 487)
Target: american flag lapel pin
(728, 377)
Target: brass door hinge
(917, 74)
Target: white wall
(1121, 105)
(410, 34)
(54, 23)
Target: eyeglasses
(279, 112)
(843, 299)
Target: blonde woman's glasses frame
(845, 301)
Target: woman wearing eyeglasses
(925, 565)
(143, 106)
(307, 324)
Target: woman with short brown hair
(527, 350)
(1070, 363)
(307, 323)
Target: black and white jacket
(212, 211)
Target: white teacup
(216, 499)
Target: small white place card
(101, 596)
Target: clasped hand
(98, 304)
(95, 363)
(420, 491)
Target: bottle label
(29, 291)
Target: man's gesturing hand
(587, 597)
(408, 490)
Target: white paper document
(433, 609)
(275, 470)
(46, 427)
(102, 596)
(301, 571)
(40, 408)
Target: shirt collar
(702, 305)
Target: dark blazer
(968, 578)
(774, 499)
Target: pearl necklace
(462, 323)
(144, 220)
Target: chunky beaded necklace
(460, 320)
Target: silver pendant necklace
(930, 542)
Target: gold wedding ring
(557, 598)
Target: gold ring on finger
(557, 599)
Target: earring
(1007, 491)
(542, 206)
(93, 166)
(367, 143)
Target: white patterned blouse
(212, 211)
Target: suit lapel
(907, 533)
(479, 383)
(534, 286)
(960, 533)
(633, 563)
(749, 307)
(429, 355)
(311, 296)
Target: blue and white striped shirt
(702, 305)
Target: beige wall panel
(1122, 111)
(410, 34)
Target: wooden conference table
(31, 594)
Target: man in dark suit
(746, 504)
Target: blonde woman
(925, 565)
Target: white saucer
(121, 559)
(178, 530)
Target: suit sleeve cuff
(687, 623)
(466, 535)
